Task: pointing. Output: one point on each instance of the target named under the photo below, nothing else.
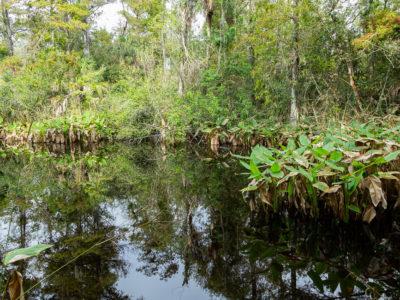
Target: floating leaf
(24, 253)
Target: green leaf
(336, 156)
(260, 154)
(290, 188)
(329, 147)
(300, 150)
(291, 145)
(275, 168)
(392, 156)
(24, 253)
(304, 141)
(244, 164)
(225, 122)
(321, 186)
(321, 152)
(380, 160)
(279, 174)
(255, 172)
(292, 170)
(354, 208)
(334, 166)
(305, 174)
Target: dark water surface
(174, 225)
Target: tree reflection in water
(183, 217)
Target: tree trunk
(209, 12)
(353, 84)
(294, 113)
(86, 41)
(187, 19)
(163, 48)
(7, 27)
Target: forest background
(181, 67)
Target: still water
(136, 222)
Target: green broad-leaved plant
(24, 253)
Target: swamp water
(174, 225)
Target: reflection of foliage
(331, 257)
(185, 216)
(62, 195)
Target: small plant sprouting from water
(349, 170)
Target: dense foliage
(354, 169)
(174, 67)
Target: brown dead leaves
(369, 214)
(15, 288)
(374, 185)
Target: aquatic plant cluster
(85, 129)
(351, 171)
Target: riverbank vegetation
(181, 67)
(351, 171)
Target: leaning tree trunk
(294, 113)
